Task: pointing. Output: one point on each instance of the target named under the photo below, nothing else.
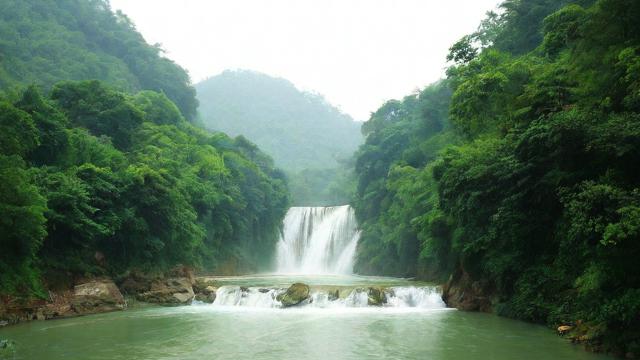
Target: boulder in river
(294, 295)
(206, 295)
(95, 296)
(172, 291)
(563, 329)
(376, 297)
(201, 284)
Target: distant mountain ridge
(298, 129)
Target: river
(258, 331)
(337, 321)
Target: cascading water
(318, 240)
(317, 244)
(404, 297)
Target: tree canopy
(46, 41)
(528, 181)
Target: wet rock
(463, 293)
(40, 314)
(333, 295)
(264, 290)
(94, 297)
(201, 285)
(207, 295)
(172, 291)
(209, 299)
(376, 297)
(564, 329)
(205, 290)
(294, 295)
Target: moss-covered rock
(201, 284)
(294, 295)
(206, 295)
(376, 297)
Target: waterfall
(318, 240)
(398, 297)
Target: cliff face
(464, 293)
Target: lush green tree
(19, 134)
(22, 225)
(127, 180)
(44, 42)
(103, 111)
(534, 195)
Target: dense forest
(306, 136)
(46, 41)
(515, 178)
(519, 173)
(103, 176)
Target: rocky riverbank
(464, 293)
(99, 295)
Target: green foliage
(103, 111)
(45, 41)
(22, 225)
(536, 191)
(306, 136)
(20, 135)
(127, 177)
(158, 108)
(393, 193)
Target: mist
(357, 53)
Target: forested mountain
(46, 41)
(517, 177)
(306, 136)
(99, 177)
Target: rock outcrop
(463, 293)
(171, 291)
(96, 296)
(376, 297)
(205, 290)
(294, 295)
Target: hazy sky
(357, 53)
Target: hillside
(100, 174)
(311, 140)
(299, 130)
(516, 179)
(46, 41)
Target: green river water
(250, 332)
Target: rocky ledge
(90, 297)
(463, 293)
(178, 287)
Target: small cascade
(318, 240)
(423, 297)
